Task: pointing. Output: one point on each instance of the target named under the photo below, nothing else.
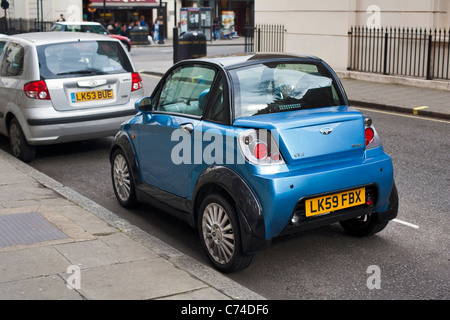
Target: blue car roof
(236, 60)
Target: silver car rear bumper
(76, 128)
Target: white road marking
(149, 75)
(406, 223)
(401, 115)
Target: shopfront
(241, 12)
(125, 12)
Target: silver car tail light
(37, 90)
(136, 82)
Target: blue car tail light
(260, 148)
(372, 138)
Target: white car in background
(58, 87)
(90, 27)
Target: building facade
(46, 10)
(321, 27)
(126, 11)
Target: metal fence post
(430, 49)
(175, 44)
(258, 32)
(350, 63)
(386, 42)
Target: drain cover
(27, 228)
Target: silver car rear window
(84, 58)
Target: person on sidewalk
(216, 28)
(156, 30)
(117, 28)
(142, 22)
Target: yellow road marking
(416, 110)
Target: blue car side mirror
(144, 104)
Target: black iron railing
(411, 52)
(15, 26)
(265, 38)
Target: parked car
(250, 147)
(58, 88)
(90, 27)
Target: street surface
(411, 254)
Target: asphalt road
(411, 254)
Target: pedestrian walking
(156, 30)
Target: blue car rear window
(282, 87)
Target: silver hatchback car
(60, 87)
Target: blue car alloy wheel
(249, 147)
(220, 234)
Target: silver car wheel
(218, 233)
(15, 140)
(122, 179)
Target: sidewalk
(398, 98)
(52, 237)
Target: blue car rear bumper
(280, 194)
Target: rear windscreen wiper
(76, 72)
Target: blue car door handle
(187, 127)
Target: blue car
(250, 147)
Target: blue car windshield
(281, 87)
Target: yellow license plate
(338, 201)
(92, 96)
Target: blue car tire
(372, 223)
(220, 234)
